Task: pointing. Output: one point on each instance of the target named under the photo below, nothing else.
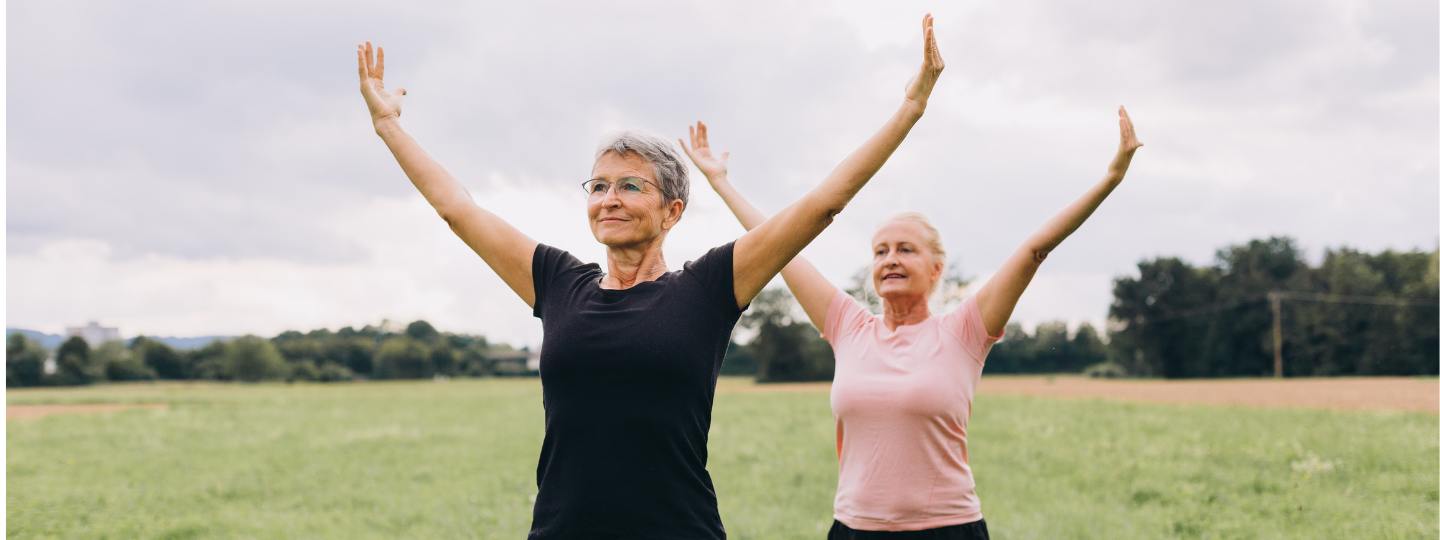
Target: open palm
(710, 165)
(382, 103)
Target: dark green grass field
(457, 460)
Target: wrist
(913, 107)
(384, 124)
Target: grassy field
(457, 460)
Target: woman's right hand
(383, 104)
(918, 91)
(713, 167)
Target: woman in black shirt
(631, 350)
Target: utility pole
(1275, 335)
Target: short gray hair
(670, 171)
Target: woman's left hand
(918, 91)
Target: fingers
(1127, 129)
(704, 134)
(369, 57)
(380, 65)
(686, 148)
(360, 60)
(932, 49)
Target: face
(903, 264)
(630, 212)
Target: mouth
(611, 220)
(891, 276)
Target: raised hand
(713, 167)
(382, 103)
(1128, 142)
(918, 90)
(1128, 145)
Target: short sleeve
(968, 326)
(844, 317)
(548, 264)
(715, 270)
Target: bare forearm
(768, 248)
(861, 165)
(809, 286)
(440, 189)
(746, 213)
(1058, 228)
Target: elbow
(1037, 253)
(450, 213)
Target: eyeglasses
(627, 187)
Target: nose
(611, 198)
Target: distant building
(517, 363)
(93, 333)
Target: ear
(673, 211)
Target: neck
(630, 265)
(903, 311)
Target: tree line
(1355, 313)
(419, 352)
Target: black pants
(974, 530)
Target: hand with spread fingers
(382, 103)
(714, 168)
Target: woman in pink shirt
(904, 379)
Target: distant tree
(209, 362)
(444, 361)
(738, 361)
(1087, 348)
(1013, 354)
(403, 358)
(252, 359)
(120, 363)
(355, 352)
(785, 348)
(24, 362)
(335, 373)
(74, 364)
(422, 331)
(303, 370)
(164, 360)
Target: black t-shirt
(629, 380)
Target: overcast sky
(189, 168)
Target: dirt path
(1350, 393)
(26, 412)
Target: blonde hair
(932, 242)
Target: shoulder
(717, 258)
(845, 316)
(966, 325)
(550, 260)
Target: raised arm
(998, 297)
(769, 246)
(810, 287)
(502, 246)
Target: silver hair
(670, 171)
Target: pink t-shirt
(901, 402)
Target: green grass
(457, 460)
